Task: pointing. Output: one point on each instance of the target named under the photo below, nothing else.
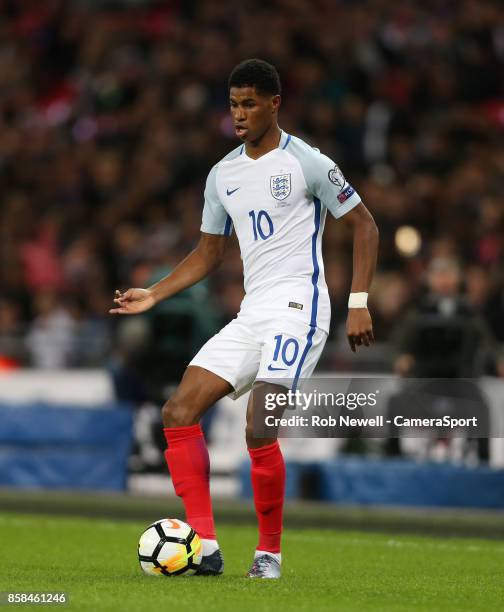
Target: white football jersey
(277, 205)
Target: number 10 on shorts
(288, 350)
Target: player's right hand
(133, 301)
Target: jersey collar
(284, 140)
(282, 144)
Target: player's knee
(254, 440)
(176, 413)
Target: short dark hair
(256, 73)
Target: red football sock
(189, 465)
(268, 484)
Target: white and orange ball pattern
(169, 547)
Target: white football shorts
(251, 348)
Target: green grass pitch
(94, 561)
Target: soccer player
(274, 190)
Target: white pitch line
(296, 537)
(394, 543)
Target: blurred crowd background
(113, 113)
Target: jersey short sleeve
(325, 180)
(215, 218)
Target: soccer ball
(169, 547)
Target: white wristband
(357, 300)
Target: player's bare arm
(201, 262)
(365, 248)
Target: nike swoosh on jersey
(272, 369)
(231, 191)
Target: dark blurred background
(112, 114)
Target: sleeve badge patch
(336, 177)
(344, 195)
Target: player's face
(253, 114)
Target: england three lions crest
(280, 185)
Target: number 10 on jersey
(262, 225)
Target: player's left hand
(359, 328)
